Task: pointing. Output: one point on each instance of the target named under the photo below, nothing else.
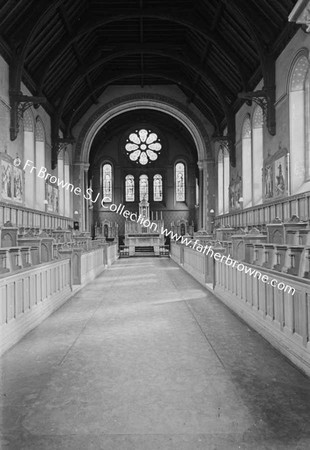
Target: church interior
(155, 224)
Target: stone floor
(144, 358)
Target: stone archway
(157, 102)
(127, 103)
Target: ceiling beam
(173, 15)
(210, 78)
(9, 9)
(262, 20)
(249, 25)
(76, 50)
(124, 50)
(206, 51)
(141, 42)
(41, 12)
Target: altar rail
(21, 216)
(283, 319)
(284, 208)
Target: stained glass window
(158, 188)
(144, 187)
(180, 182)
(130, 188)
(143, 146)
(107, 182)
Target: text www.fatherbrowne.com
(207, 250)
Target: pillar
(80, 205)
(206, 192)
(201, 191)
(61, 177)
(67, 192)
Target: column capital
(60, 155)
(82, 164)
(203, 164)
(200, 165)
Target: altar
(143, 237)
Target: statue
(144, 208)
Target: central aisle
(144, 358)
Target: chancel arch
(171, 108)
(148, 101)
(166, 183)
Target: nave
(144, 358)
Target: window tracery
(143, 146)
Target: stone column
(79, 203)
(86, 210)
(67, 191)
(61, 177)
(201, 191)
(206, 192)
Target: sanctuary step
(145, 250)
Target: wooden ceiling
(70, 51)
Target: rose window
(143, 146)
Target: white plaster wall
(271, 144)
(41, 156)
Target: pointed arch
(299, 121)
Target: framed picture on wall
(18, 184)
(235, 192)
(280, 176)
(275, 175)
(268, 181)
(11, 180)
(52, 197)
